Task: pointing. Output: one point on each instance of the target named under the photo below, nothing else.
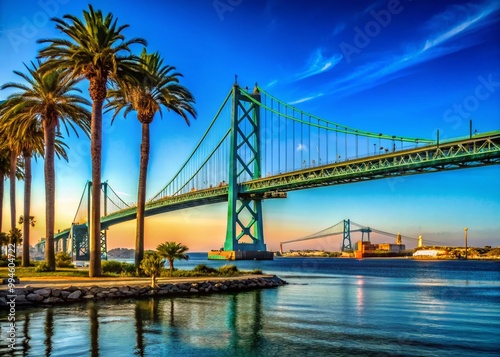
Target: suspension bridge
(344, 228)
(258, 147)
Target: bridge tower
(346, 243)
(79, 233)
(244, 233)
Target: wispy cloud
(301, 147)
(439, 41)
(272, 83)
(339, 28)
(306, 99)
(318, 63)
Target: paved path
(115, 281)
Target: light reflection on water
(332, 307)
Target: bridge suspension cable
(292, 139)
(333, 230)
(81, 214)
(113, 201)
(207, 165)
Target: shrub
(116, 267)
(256, 271)
(228, 270)
(63, 260)
(111, 266)
(42, 267)
(204, 269)
(4, 263)
(128, 269)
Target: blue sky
(408, 67)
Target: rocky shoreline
(45, 296)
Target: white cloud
(306, 99)
(301, 147)
(443, 31)
(318, 63)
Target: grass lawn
(30, 272)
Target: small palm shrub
(63, 260)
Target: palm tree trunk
(97, 91)
(12, 179)
(171, 263)
(49, 133)
(141, 196)
(27, 207)
(1, 198)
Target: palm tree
(47, 100)
(5, 167)
(4, 171)
(15, 237)
(153, 264)
(96, 50)
(159, 86)
(28, 143)
(172, 251)
(27, 223)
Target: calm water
(332, 307)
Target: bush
(128, 268)
(4, 263)
(42, 267)
(204, 269)
(116, 267)
(111, 266)
(63, 260)
(228, 270)
(256, 271)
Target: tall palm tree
(172, 251)
(96, 50)
(4, 171)
(47, 99)
(159, 86)
(5, 166)
(28, 142)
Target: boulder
(64, 294)
(43, 292)
(34, 297)
(75, 295)
(52, 300)
(56, 292)
(193, 290)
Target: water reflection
(94, 329)
(26, 339)
(139, 333)
(49, 331)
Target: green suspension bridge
(258, 147)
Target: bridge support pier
(244, 233)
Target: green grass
(199, 271)
(30, 272)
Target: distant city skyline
(404, 67)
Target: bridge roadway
(478, 150)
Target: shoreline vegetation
(434, 253)
(70, 285)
